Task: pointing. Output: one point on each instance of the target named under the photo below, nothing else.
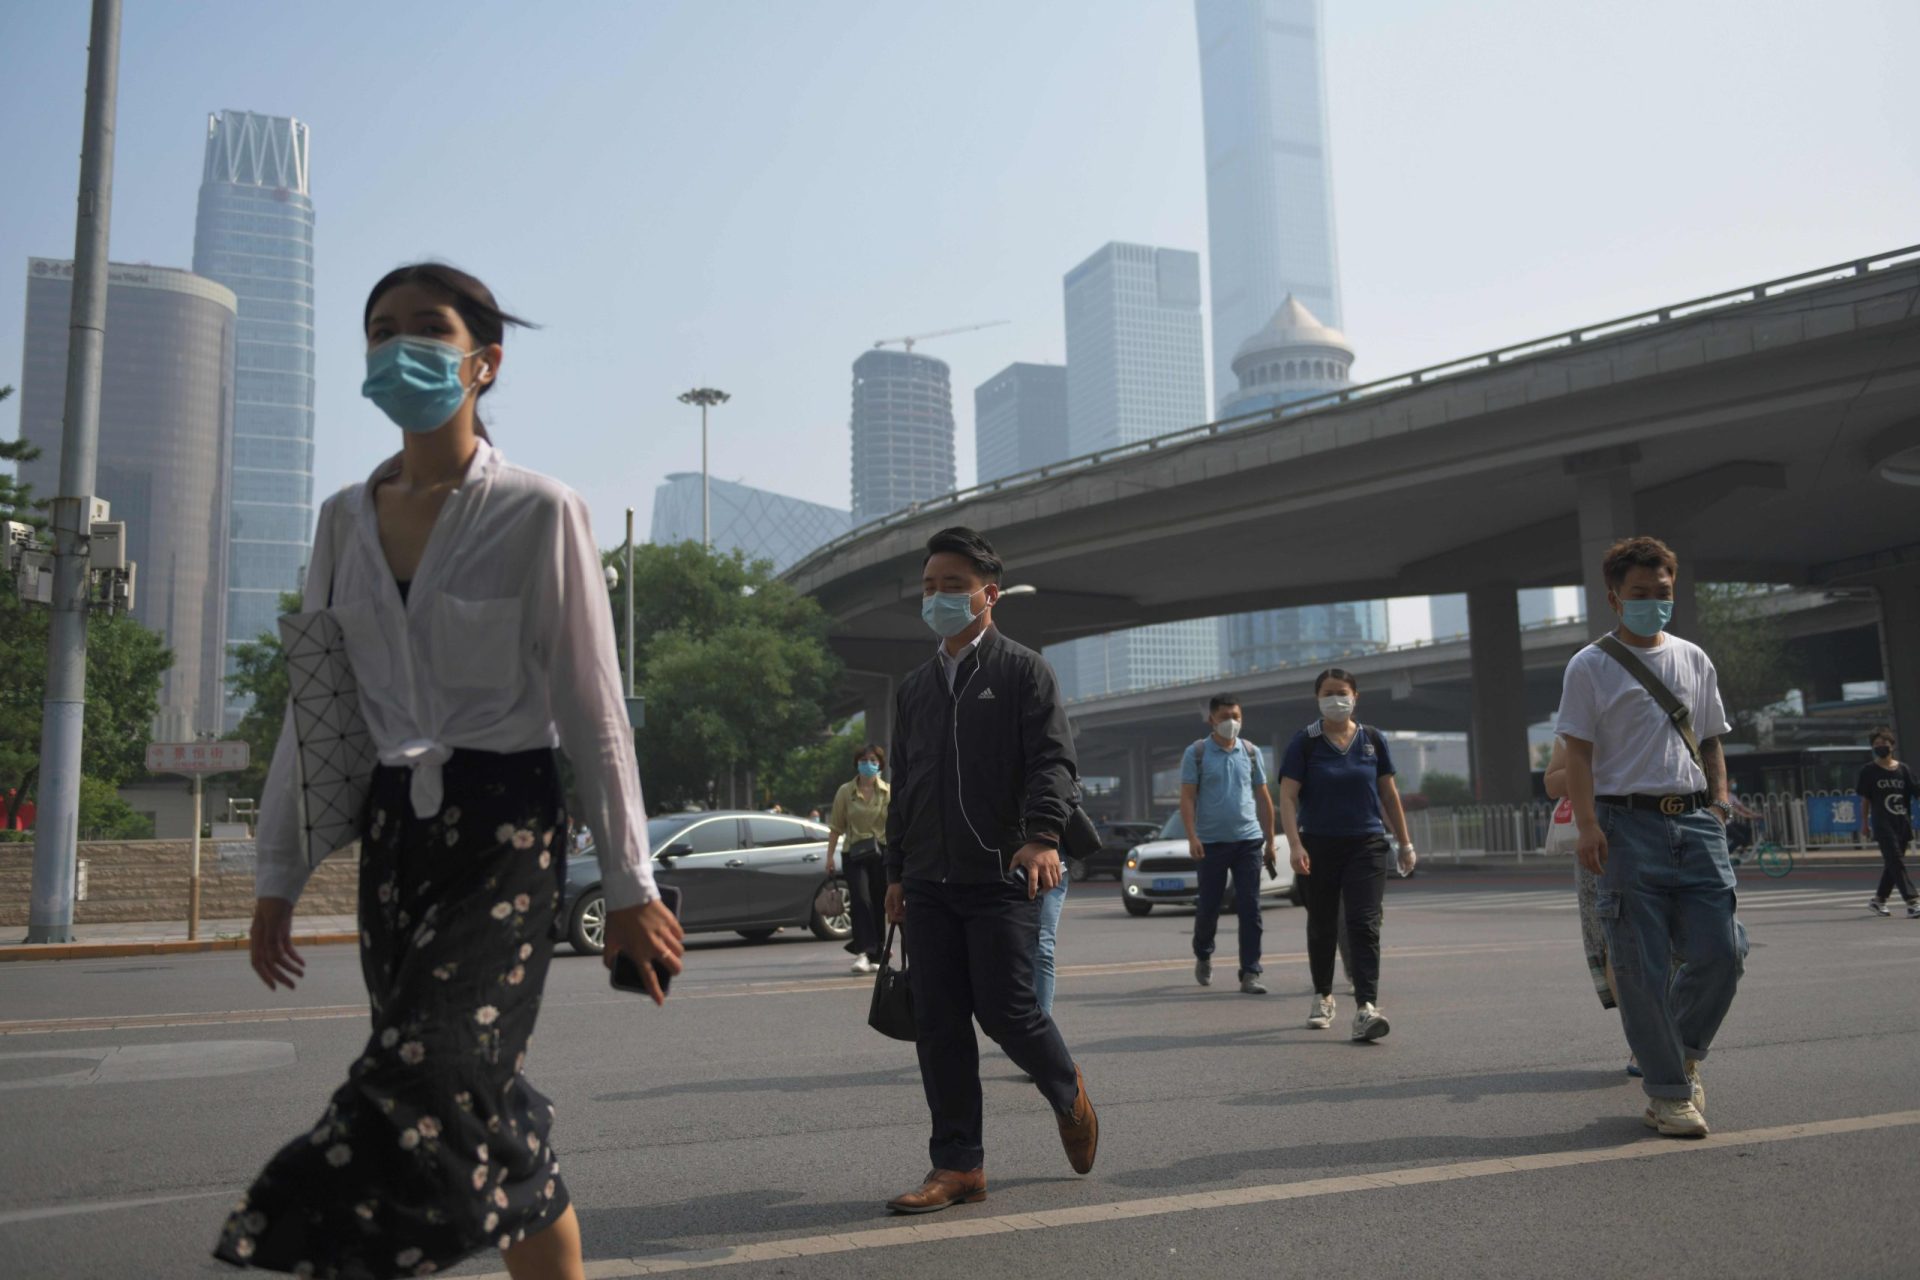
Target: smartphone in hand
(626, 974)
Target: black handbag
(861, 851)
(1081, 839)
(891, 1013)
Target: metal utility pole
(705, 397)
(631, 690)
(56, 832)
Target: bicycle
(1772, 860)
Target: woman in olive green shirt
(859, 822)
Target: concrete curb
(169, 947)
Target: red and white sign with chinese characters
(196, 757)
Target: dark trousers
(867, 896)
(1893, 842)
(1350, 870)
(970, 949)
(1241, 859)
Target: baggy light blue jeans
(1667, 894)
(1052, 902)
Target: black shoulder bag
(891, 1013)
(1677, 714)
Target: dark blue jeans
(1241, 859)
(1667, 893)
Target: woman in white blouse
(470, 595)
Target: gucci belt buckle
(1673, 806)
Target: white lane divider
(956, 1225)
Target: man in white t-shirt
(1652, 815)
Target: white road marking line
(958, 1227)
(11, 1216)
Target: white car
(1162, 872)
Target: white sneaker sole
(1672, 1131)
(1372, 1031)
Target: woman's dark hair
(1335, 673)
(1883, 732)
(474, 302)
(964, 542)
(873, 752)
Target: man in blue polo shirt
(1228, 814)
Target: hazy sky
(748, 193)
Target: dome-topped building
(1293, 357)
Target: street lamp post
(705, 397)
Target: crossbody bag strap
(1676, 710)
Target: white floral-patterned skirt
(436, 1146)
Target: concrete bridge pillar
(1137, 802)
(1501, 769)
(1900, 650)
(880, 716)
(1605, 506)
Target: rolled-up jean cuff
(1695, 1055)
(1673, 1092)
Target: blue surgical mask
(1646, 618)
(948, 612)
(869, 768)
(416, 382)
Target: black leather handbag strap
(1677, 714)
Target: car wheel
(587, 930)
(1077, 870)
(756, 935)
(1295, 896)
(835, 928)
(1135, 908)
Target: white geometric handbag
(335, 761)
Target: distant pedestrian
(856, 831)
(1227, 813)
(1887, 790)
(813, 815)
(985, 783)
(1337, 800)
(477, 626)
(1643, 720)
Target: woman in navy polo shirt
(1337, 796)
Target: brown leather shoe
(943, 1188)
(1080, 1132)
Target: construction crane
(908, 342)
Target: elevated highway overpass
(1771, 434)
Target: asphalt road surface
(755, 1126)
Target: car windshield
(1174, 830)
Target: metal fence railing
(1816, 820)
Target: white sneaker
(1369, 1023)
(1699, 1087)
(1675, 1117)
(864, 965)
(1878, 907)
(1913, 911)
(1321, 1016)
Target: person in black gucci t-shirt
(1889, 788)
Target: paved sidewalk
(176, 930)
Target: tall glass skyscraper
(763, 524)
(1136, 368)
(1269, 170)
(166, 428)
(254, 234)
(1019, 420)
(902, 432)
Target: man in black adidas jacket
(983, 783)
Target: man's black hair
(1222, 700)
(963, 541)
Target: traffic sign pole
(196, 760)
(193, 885)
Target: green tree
(124, 664)
(733, 663)
(260, 674)
(16, 499)
(105, 816)
(809, 775)
(1446, 790)
(1749, 651)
